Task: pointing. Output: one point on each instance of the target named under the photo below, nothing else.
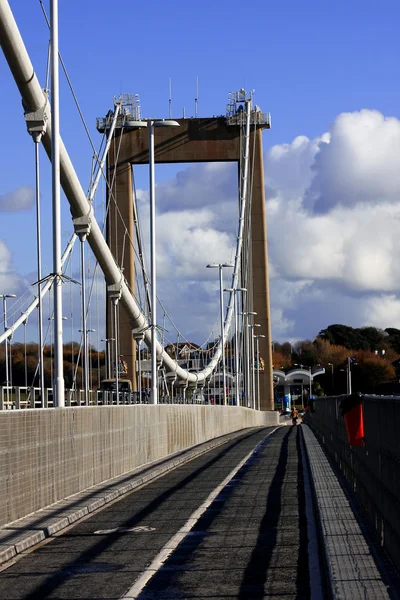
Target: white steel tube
(107, 147)
(26, 365)
(59, 400)
(6, 345)
(248, 386)
(221, 302)
(31, 92)
(115, 304)
(139, 371)
(253, 396)
(84, 328)
(154, 387)
(108, 359)
(235, 300)
(39, 272)
(258, 372)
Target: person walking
(294, 414)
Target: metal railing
(21, 397)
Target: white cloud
(22, 198)
(382, 311)
(11, 282)
(9, 279)
(333, 215)
(187, 242)
(359, 163)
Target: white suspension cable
(22, 70)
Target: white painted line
(313, 550)
(176, 539)
(140, 529)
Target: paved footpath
(236, 522)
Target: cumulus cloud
(382, 311)
(358, 163)
(333, 215)
(22, 198)
(333, 221)
(352, 173)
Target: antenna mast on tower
(170, 98)
(196, 100)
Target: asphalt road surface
(228, 524)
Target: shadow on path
(255, 575)
(57, 579)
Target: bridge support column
(261, 298)
(120, 236)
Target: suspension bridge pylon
(215, 139)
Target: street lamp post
(310, 382)
(246, 353)
(5, 296)
(51, 352)
(235, 291)
(138, 336)
(331, 366)
(258, 368)
(151, 125)
(85, 333)
(253, 374)
(108, 367)
(221, 266)
(26, 366)
(349, 387)
(58, 395)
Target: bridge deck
(237, 521)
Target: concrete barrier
(47, 455)
(373, 471)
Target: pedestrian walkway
(237, 521)
(357, 567)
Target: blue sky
(308, 62)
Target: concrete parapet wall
(373, 471)
(48, 454)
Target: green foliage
(364, 338)
(317, 389)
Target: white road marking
(139, 529)
(176, 539)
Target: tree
(279, 360)
(304, 353)
(371, 371)
(375, 338)
(343, 335)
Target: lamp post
(59, 395)
(26, 366)
(138, 336)
(246, 347)
(5, 296)
(235, 291)
(310, 382)
(253, 374)
(51, 351)
(221, 266)
(108, 367)
(257, 337)
(151, 125)
(349, 361)
(331, 366)
(85, 333)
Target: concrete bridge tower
(216, 139)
